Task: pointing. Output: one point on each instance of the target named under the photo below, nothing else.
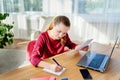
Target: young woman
(53, 41)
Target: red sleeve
(36, 56)
(69, 43)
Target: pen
(55, 61)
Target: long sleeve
(69, 43)
(36, 56)
(46, 47)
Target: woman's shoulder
(43, 34)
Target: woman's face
(60, 31)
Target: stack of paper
(86, 43)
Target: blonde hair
(57, 20)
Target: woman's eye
(64, 33)
(59, 31)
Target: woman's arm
(53, 67)
(37, 54)
(69, 43)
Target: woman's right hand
(56, 68)
(53, 67)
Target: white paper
(83, 44)
(56, 73)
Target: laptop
(96, 61)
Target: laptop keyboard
(96, 61)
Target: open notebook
(56, 73)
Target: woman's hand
(78, 47)
(56, 68)
(53, 67)
(85, 48)
(66, 49)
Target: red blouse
(46, 47)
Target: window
(96, 6)
(61, 6)
(33, 5)
(10, 6)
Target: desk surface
(72, 71)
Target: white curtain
(99, 27)
(97, 19)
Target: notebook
(44, 78)
(96, 61)
(56, 73)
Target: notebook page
(56, 73)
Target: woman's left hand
(85, 48)
(78, 47)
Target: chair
(30, 47)
(43, 23)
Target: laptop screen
(114, 46)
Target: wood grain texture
(72, 71)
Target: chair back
(30, 47)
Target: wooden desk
(72, 72)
